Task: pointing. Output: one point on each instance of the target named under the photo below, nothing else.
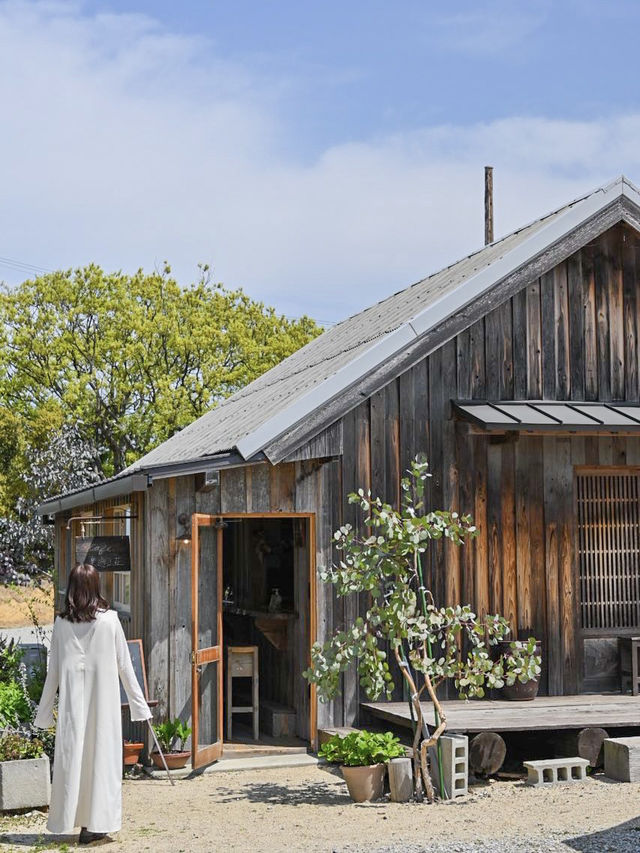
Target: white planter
(25, 784)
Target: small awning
(545, 416)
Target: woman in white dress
(88, 653)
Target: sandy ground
(308, 809)
(15, 601)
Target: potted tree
(362, 756)
(25, 780)
(430, 643)
(168, 733)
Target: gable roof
(257, 415)
(322, 381)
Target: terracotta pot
(364, 783)
(518, 692)
(131, 752)
(175, 760)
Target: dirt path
(308, 809)
(16, 600)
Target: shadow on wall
(624, 836)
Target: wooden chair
(242, 662)
(629, 648)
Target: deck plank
(543, 713)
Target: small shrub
(15, 708)
(170, 731)
(360, 749)
(10, 659)
(16, 747)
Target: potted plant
(25, 781)
(131, 752)
(521, 663)
(168, 732)
(362, 756)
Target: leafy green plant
(10, 659)
(170, 731)
(15, 747)
(15, 708)
(430, 644)
(359, 749)
(522, 662)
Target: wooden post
(488, 205)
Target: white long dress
(84, 664)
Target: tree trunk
(585, 743)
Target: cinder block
(552, 771)
(455, 765)
(24, 784)
(622, 758)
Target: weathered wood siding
(571, 334)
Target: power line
(22, 266)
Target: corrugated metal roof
(543, 416)
(236, 417)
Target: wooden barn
(514, 370)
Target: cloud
(488, 28)
(126, 144)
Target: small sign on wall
(106, 553)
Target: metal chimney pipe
(488, 205)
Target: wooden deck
(544, 713)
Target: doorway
(253, 585)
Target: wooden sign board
(137, 659)
(106, 553)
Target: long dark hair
(82, 599)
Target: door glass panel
(207, 587)
(207, 644)
(208, 728)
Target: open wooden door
(206, 632)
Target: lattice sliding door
(608, 506)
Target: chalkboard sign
(137, 659)
(106, 553)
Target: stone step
(622, 758)
(234, 764)
(343, 731)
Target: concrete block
(25, 784)
(553, 771)
(455, 765)
(622, 758)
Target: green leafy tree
(63, 462)
(430, 643)
(133, 358)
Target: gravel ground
(308, 809)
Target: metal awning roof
(545, 416)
